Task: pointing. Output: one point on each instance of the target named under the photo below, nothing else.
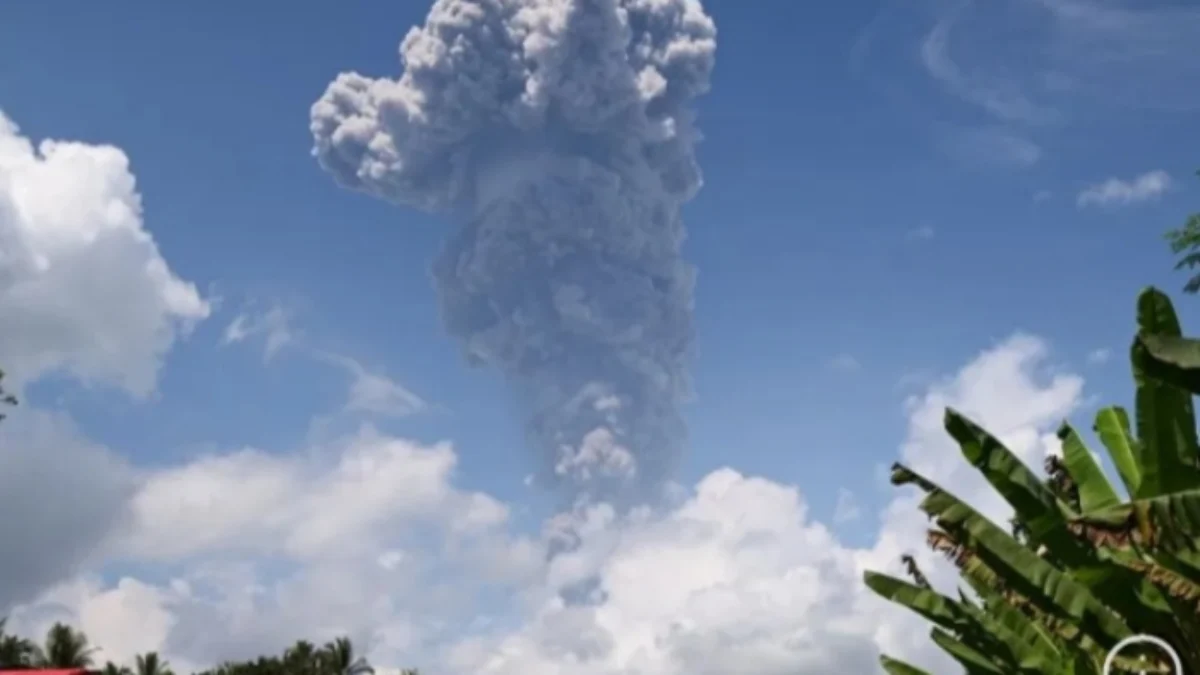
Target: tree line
(65, 647)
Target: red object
(69, 671)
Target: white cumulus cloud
(314, 504)
(371, 536)
(84, 291)
(83, 287)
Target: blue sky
(889, 191)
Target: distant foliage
(1185, 243)
(65, 647)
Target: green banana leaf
(895, 667)
(1112, 427)
(973, 660)
(1047, 518)
(1020, 624)
(1021, 649)
(930, 604)
(1087, 572)
(1031, 575)
(1172, 359)
(1035, 504)
(1095, 492)
(1166, 420)
(1170, 521)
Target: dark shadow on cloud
(63, 495)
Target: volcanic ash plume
(558, 134)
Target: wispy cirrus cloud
(1126, 53)
(990, 146)
(1016, 71)
(1118, 192)
(924, 231)
(371, 392)
(1058, 54)
(845, 363)
(273, 325)
(1001, 96)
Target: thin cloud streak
(1117, 192)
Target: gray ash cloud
(557, 135)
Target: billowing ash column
(557, 134)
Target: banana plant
(1086, 563)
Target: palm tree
(15, 652)
(111, 668)
(337, 656)
(65, 648)
(301, 658)
(150, 664)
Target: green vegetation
(1085, 564)
(65, 647)
(1185, 242)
